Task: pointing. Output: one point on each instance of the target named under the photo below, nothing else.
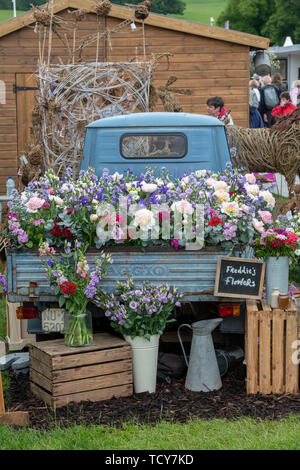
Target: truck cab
(180, 142)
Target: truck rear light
(27, 312)
(227, 310)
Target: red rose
(56, 231)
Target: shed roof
(154, 19)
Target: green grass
(243, 434)
(196, 10)
(2, 318)
(202, 10)
(8, 14)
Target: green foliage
(249, 16)
(274, 19)
(284, 21)
(164, 7)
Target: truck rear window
(152, 146)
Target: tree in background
(22, 5)
(248, 16)
(284, 21)
(164, 7)
(274, 19)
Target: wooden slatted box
(271, 349)
(61, 374)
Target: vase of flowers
(74, 285)
(276, 244)
(140, 313)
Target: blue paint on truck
(180, 142)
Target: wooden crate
(270, 341)
(61, 374)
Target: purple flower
(3, 283)
(133, 305)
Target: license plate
(53, 320)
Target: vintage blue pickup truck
(180, 142)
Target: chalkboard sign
(239, 277)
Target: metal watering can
(203, 373)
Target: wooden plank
(264, 351)
(95, 395)
(76, 360)
(40, 367)
(41, 394)
(278, 362)
(292, 370)
(252, 349)
(92, 383)
(67, 375)
(36, 353)
(41, 380)
(25, 105)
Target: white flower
(183, 206)
(210, 182)
(171, 185)
(252, 190)
(144, 218)
(185, 179)
(230, 208)
(131, 185)
(58, 201)
(159, 182)
(268, 198)
(297, 252)
(200, 173)
(117, 177)
(250, 177)
(220, 186)
(149, 188)
(222, 196)
(93, 217)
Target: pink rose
(266, 216)
(250, 177)
(34, 204)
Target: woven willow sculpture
(266, 150)
(71, 96)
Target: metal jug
(203, 373)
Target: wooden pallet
(270, 341)
(61, 374)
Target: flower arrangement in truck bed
(278, 237)
(212, 208)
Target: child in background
(285, 107)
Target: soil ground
(169, 403)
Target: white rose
(221, 195)
(149, 188)
(250, 177)
(210, 182)
(297, 252)
(230, 208)
(144, 218)
(58, 201)
(252, 189)
(220, 186)
(183, 206)
(268, 198)
(171, 185)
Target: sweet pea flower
(259, 226)
(200, 173)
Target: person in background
(269, 100)
(216, 108)
(295, 93)
(285, 107)
(255, 118)
(276, 80)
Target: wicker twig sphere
(141, 12)
(103, 7)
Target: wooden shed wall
(207, 66)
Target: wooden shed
(208, 60)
